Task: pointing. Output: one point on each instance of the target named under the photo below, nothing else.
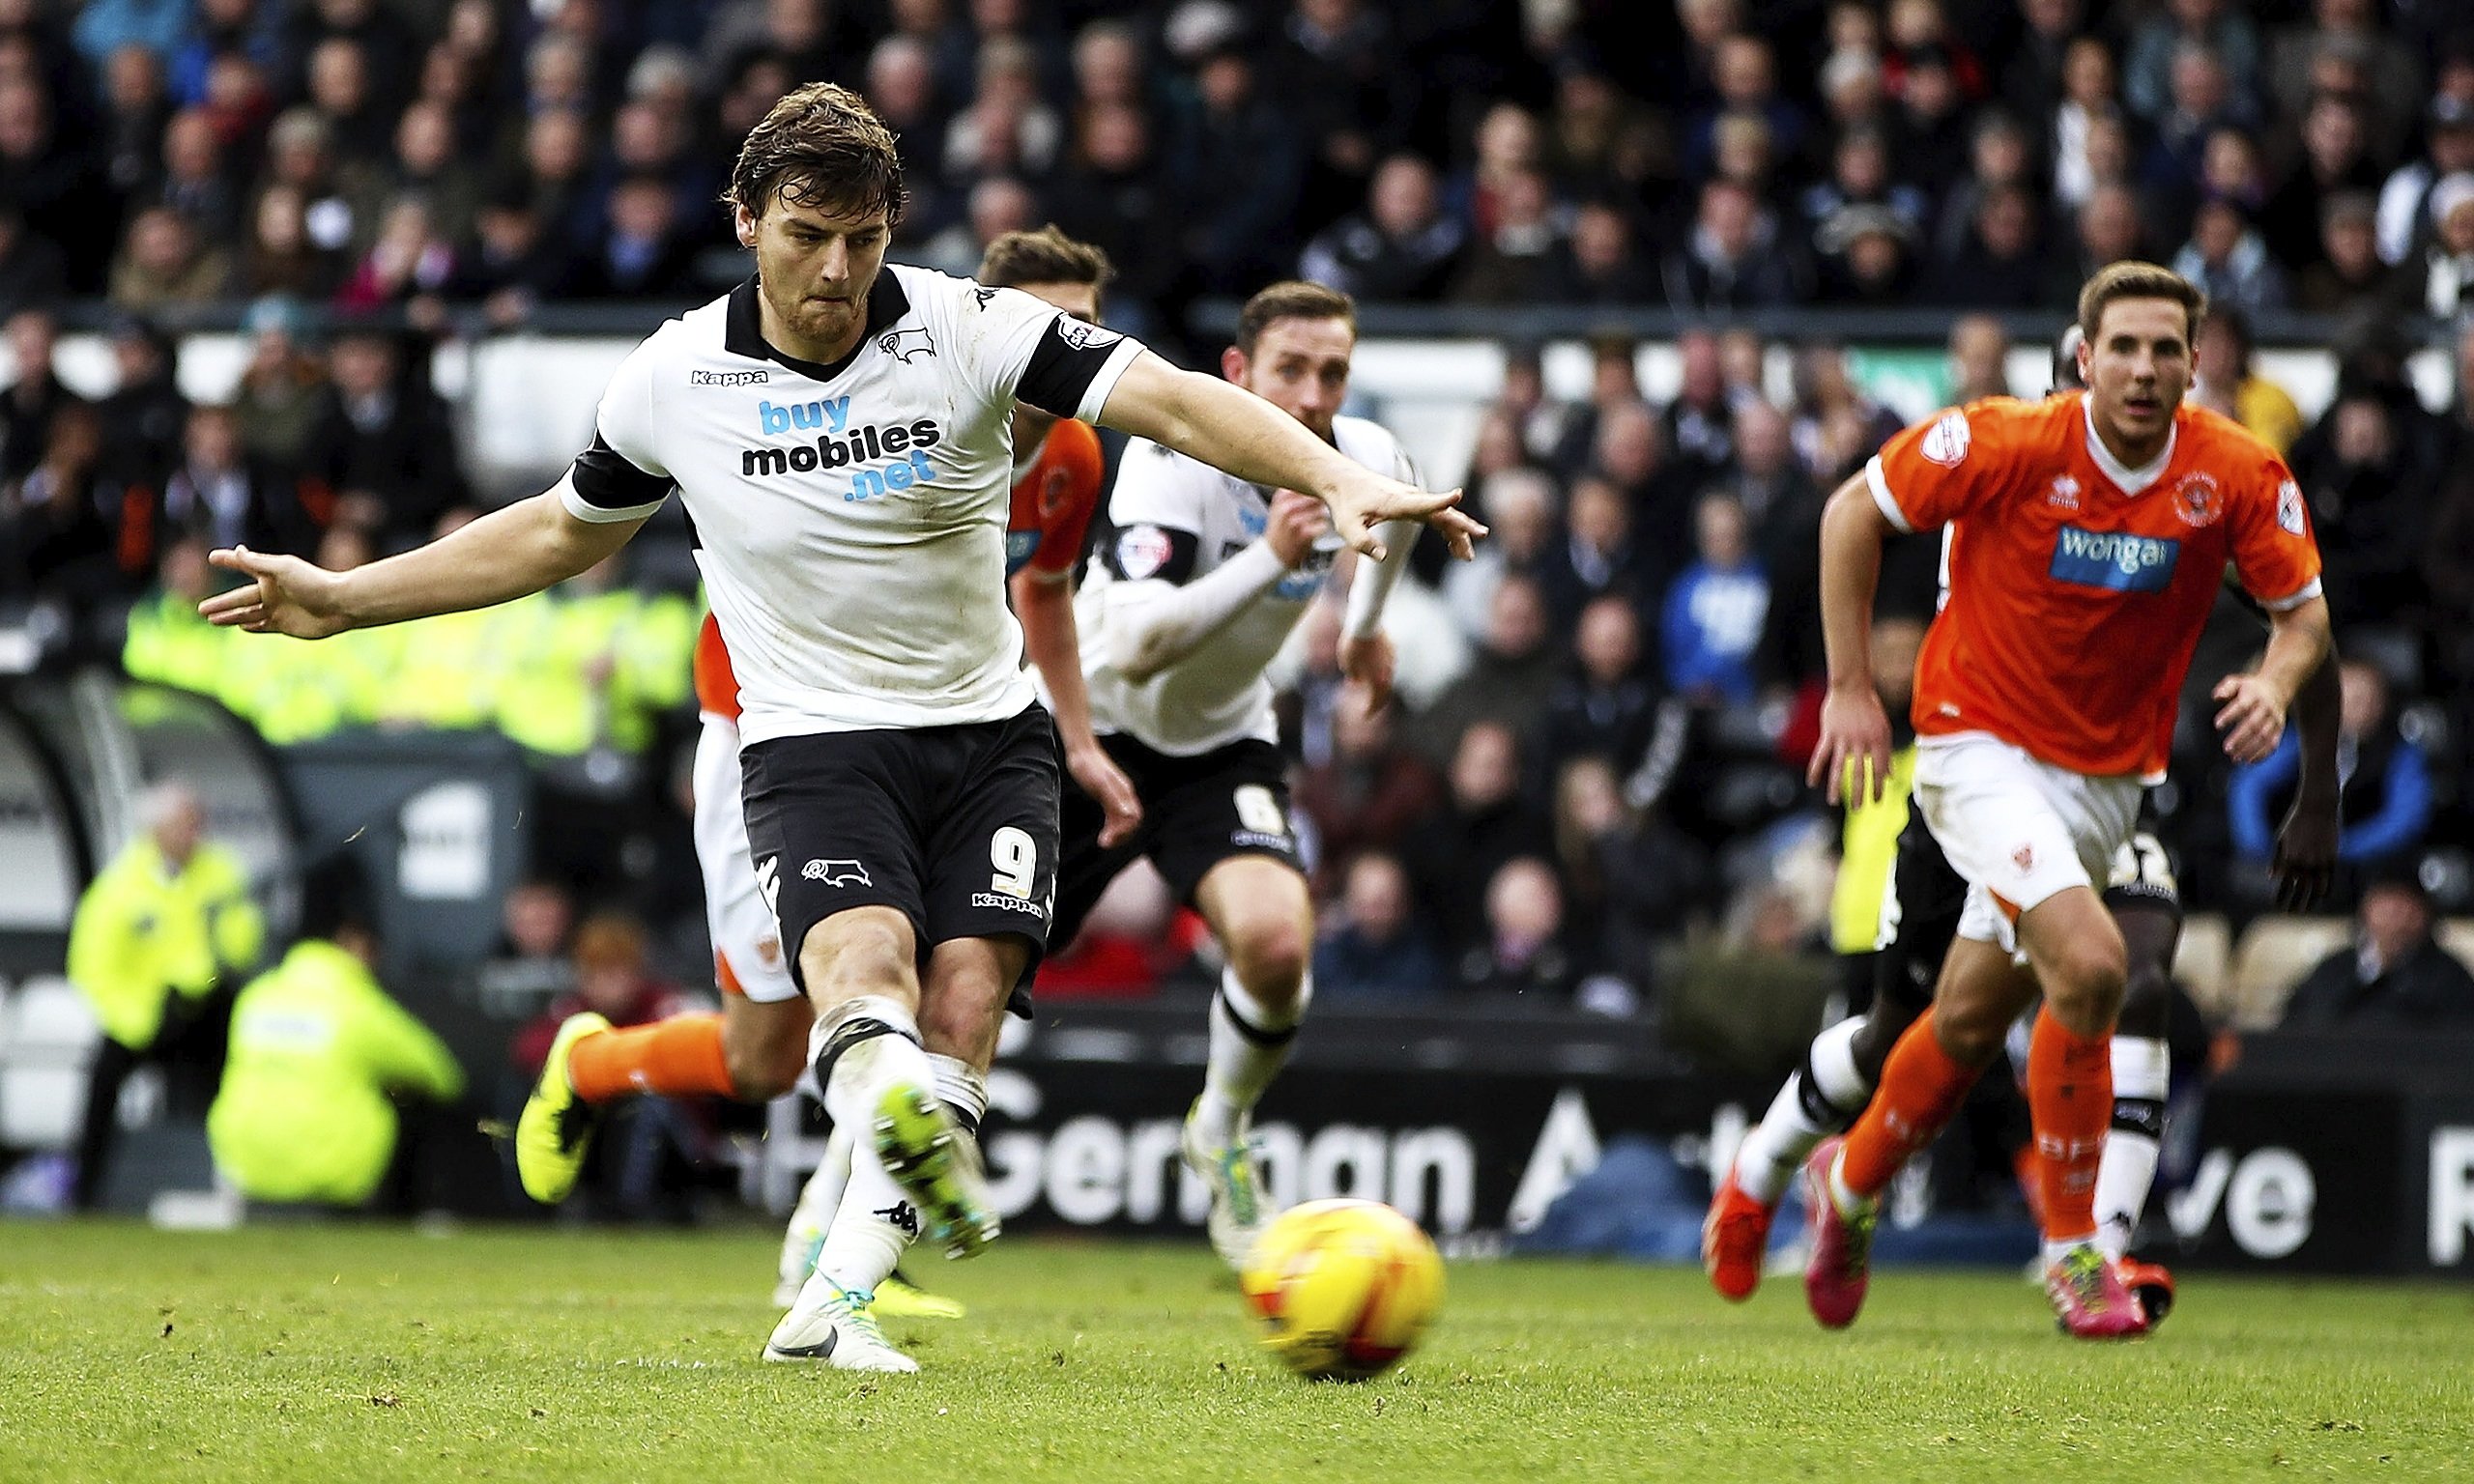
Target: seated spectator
(317, 1042)
(1605, 264)
(2440, 282)
(1485, 820)
(646, 1144)
(2001, 156)
(2336, 156)
(1597, 557)
(1377, 950)
(1860, 175)
(643, 253)
(411, 265)
(1867, 256)
(530, 965)
(1733, 258)
(1714, 612)
(2109, 231)
(146, 410)
(1508, 675)
(2348, 276)
(1523, 259)
(2386, 804)
(163, 263)
(2365, 467)
(2395, 976)
(2228, 383)
(1521, 948)
(2403, 212)
(1980, 359)
(1604, 707)
(221, 495)
(1399, 247)
(385, 443)
(283, 387)
(2228, 260)
(2000, 260)
(1371, 793)
(60, 525)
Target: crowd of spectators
(1598, 749)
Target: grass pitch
(358, 1352)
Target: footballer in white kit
(1205, 578)
(840, 436)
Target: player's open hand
(287, 596)
(1368, 502)
(1852, 758)
(2252, 719)
(2305, 863)
(1369, 663)
(1120, 807)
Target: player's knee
(1270, 956)
(860, 958)
(2086, 980)
(1972, 1037)
(2148, 1001)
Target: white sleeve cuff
(585, 510)
(1094, 396)
(1880, 485)
(2286, 605)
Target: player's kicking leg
(1258, 907)
(1841, 1067)
(803, 1237)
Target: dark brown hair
(1291, 300)
(2133, 279)
(1045, 256)
(820, 146)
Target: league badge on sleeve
(1945, 443)
(2290, 507)
(1142, 551)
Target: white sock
(874, 1222)
(2059, 1247)
(818, 1199)
(961, 1089)
(1249, 1046)
(2143, 1077)
(1776, 1148)
(867, 1069)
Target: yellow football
(1343, 1288)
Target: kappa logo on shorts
(837, 872)
(768, 880)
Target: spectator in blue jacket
(1380, 949)
(2383, 769)
(1714, 611)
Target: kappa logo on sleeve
(904, 345)
(1945, 443)
(2290, 507)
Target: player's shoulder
(1155, 473)
(1365, 440)
(1992, 429)
(2227, 446)
(2028, 422)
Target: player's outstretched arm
(1233, 430)
(522, 549)
(2252, 719)
(1855, 729)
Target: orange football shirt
(2078, 588)
(1050, 512)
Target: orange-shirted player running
(2090, 535)
(756, 1048)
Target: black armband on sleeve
(1068, 356)
(606, 481)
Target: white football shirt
(850, 519)
(1176, 519)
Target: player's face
(816, 269)
(1300, 366)
(2136, 365)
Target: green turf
(376, 1352)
